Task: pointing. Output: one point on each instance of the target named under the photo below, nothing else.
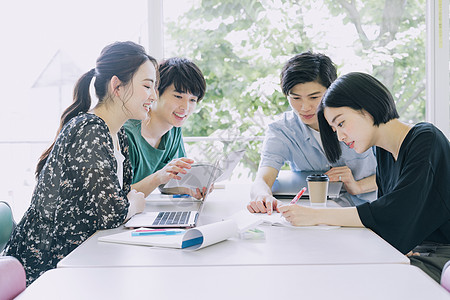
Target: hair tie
(92, 72)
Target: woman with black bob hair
(361, 92)
(412, 211)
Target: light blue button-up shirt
(290, 140)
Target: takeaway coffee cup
(318, 189)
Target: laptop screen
(288, 183)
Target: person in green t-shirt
(156, 145)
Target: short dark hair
(184, 75)
(358, 91)
(307, 67)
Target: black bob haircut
(184, 75)
(358, 91)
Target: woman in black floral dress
(83, 179)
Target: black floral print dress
(77, 193)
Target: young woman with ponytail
(84, 178)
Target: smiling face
(174, 107)
(140, 92)
(353, 127)
(304, 99)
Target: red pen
(298, 195)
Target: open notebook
(289, 183)
(246, 220)
(193, 239)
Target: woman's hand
(410, 253)
(171, 170)
(298, 215)
(137, 203)
(345, 175)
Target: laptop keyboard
(172, 217)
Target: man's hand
(264, 204)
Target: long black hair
(121, 59)
(358, 91)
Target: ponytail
(121, 59)
(81, 103)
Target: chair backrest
(445, 277)
(7, 223)
(12, 277)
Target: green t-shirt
(145, 159)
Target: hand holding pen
(297, 197)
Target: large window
(46, 46)
(242, 45)
(239, 45)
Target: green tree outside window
(241, 47)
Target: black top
(77, 193)
(414, 191)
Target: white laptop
(172, 219)
(289, 183)
(165, 219)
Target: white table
(347, 282)
(282, 246)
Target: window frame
(437, 72)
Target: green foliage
(241, 46)
(396, 51)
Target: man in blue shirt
(295, 139)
